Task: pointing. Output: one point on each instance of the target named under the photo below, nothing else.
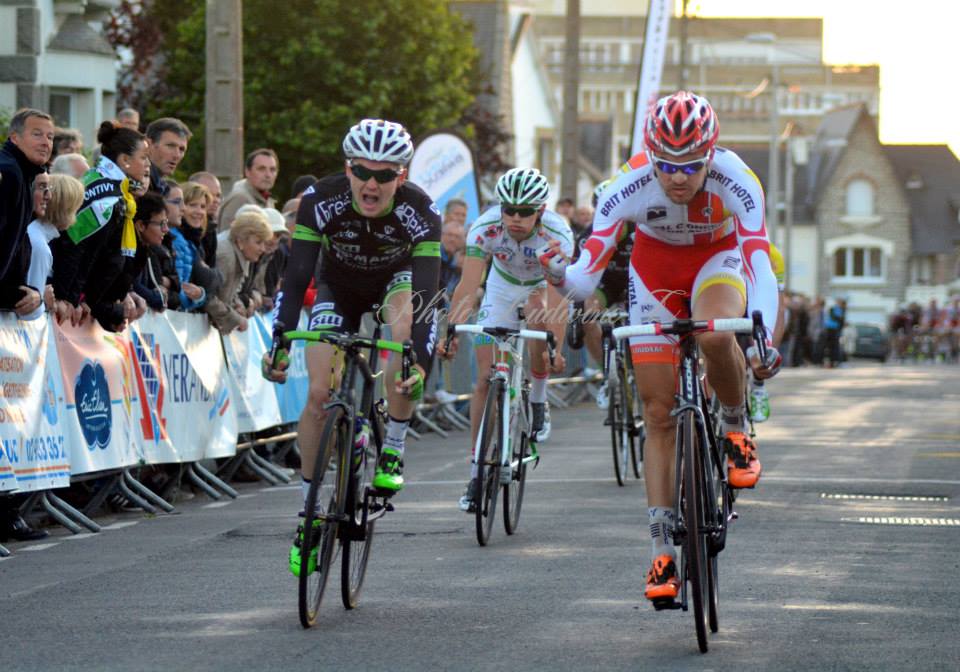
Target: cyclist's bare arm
(464, 298)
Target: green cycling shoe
(298, 543)
(389, 474)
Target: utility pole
(682, 76)
(571, 96)
(224, 93)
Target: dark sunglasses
(382, 176)
(522, 210)
(688, 168)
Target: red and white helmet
(681, 123)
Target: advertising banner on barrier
(292, 395)
(651, 70)
(443, 166)
(256, 400)
(177, 418)
(35, 438)
(98, 395)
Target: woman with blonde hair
(247, 241)
(198, 281)
(66, 197)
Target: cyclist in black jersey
(611, 291)
(379, 237)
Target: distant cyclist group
(678, 234)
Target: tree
(312, 68)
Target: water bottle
(361, 439)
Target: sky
(916, 44)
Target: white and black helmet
(378, 140)
(523, 186)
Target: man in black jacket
(22, 158)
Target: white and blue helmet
(378, 140)
(523, 186)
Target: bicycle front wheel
(356, 538)
(320, 522)
(634, 413)
(695, 540)
(519, 451)
(488, 463)
(619, 432)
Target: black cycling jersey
(614, 281)
(364, 252)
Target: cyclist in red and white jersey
(701, 245)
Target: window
(61, 109)
(858, 263)
(921, 270)
(860, 198)
(545, 155)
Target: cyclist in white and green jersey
(510, 235)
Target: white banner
(442, 166)
(180, 417)
(654, 51)
(98, 396)
(35, 437)
(256, 405)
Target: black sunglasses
(522, 210)
(382, 176)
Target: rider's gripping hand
(278, 374)
(447, 347)
(767, 369)
(554, 262)
(559, 362)
(412, 387)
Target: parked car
(867, 341)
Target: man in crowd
(168, 139)
(260, 174)
(74, 165)
(129, 118)
(22, 159)
(66, 141)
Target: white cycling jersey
(516, 261)
(730, 202)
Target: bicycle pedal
(733, 516)
(388, 506)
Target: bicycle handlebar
(505, 333)
(685, 327)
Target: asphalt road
(820, 572)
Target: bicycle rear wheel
(634, 411)
(695, 541)
(356, 538)
(322, 535)
(488, 463)
(519, 450)
(619, 433)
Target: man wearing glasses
(699, 213)
(510, 235)
(379, 237)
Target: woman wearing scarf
(94, 262)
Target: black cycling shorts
(343, 299)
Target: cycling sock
(305, 487)
(396, 434)
(661, 531)
(731, 418)
(538, 388)
(473, 469)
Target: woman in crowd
(158, 282)
(93, 262)
(249, 235)
(66, 197)
(198, 281)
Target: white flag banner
(35, 437)
(443, 166)
(257, 407)
(654, 52)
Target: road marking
(40, 547)
(120, 525)
(84, 535)
(943, 437)
(943, 454)
(215, 505)
(895, 498)
(893, 520)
